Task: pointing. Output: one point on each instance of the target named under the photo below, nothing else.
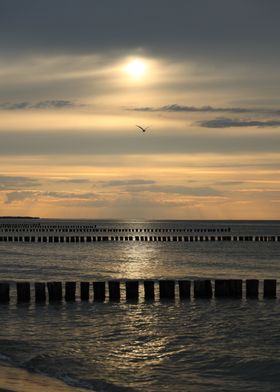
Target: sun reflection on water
(138, 260)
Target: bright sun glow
(136, 68)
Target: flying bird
(142, 128)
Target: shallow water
(197, 345)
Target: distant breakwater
(60, 228)
(132, 290)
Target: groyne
(112, 290)
(79, 238)
(59, 228)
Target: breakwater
(148, 238)
(84, 228)
(111, 290)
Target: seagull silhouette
(142, 128)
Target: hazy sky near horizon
(76, 76)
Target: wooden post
(23, 292)
(235, 288)
(40, 292)
(99, 291)
(4, 292)
(269, 288)
(184, 289)
(132, 290)
(84, 289)
(70, 291)
(228, 288)
(167, 289)
(114, 290)
(252, 288)
(149, 290)
(202, 289)
(55, 291)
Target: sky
(77, 76)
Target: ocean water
(196, 345)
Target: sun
(136, 68)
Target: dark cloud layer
(204, 109)
(73, 181)
(230, 123)
(15, 196)
(17, 182)
(177, 189)
(49, 104)
(185, 27)
(127, 182)
(116, 143)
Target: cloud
(118, 142)
(203, 109)
(177, 189)
(17, 182)
(73, 180)
(232, 182)
(49, 104)
(144, 186)
(127, 182)
(192, 27)
(229, 123)
(55, 196)
(68, 195)
(12, 197)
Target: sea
(194, 345)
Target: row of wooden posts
(202, 288)
(79, 238)
(94, 229)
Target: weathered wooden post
(23, 292)
(4, 292)
(40, 292)
(55, 291)
(235, 288)
(252, 288)
(184, 289)
(70, 291)
(132, 290)
(202, 288)
(228, 288)
(84, 290)
(269, 288)
(99, 291)
(149, 290)
(114, 290)
(167, 289)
